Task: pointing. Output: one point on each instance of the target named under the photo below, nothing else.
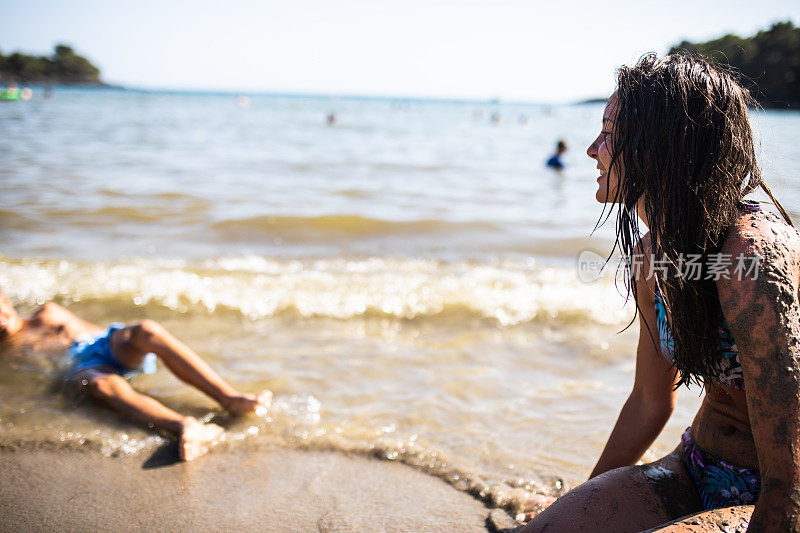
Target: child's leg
(130, 344)
(194, 438)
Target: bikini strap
(751, 206)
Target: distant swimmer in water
(101, 361)
(555, 160)
(243, 101)
(331, 119)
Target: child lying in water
(102, 359)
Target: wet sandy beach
(271, 489)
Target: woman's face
(600, 150)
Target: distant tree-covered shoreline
(63, 67)
(769, 62)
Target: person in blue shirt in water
(555, 160)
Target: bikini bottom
(719, 483)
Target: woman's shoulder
(760, 252)
(763, 234)
(642, 269)
(643, 257)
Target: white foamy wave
(510, 292)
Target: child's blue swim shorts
(95, 350)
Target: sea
(406, 280)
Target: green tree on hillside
(769, 61)
(64, 66)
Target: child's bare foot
(535, 505)
(197, 438)
(245, 404)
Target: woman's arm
(763, 316)
(653, 398)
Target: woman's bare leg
(129, 346)
(194, 438)
(633, 498)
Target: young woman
(676, 152)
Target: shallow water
(405, 282)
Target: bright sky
(527, 50)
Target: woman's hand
(533, 506)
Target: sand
(728, 520)
(271, 489)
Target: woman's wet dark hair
(682, 141)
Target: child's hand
(246, 404)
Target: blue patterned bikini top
(729, 368)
